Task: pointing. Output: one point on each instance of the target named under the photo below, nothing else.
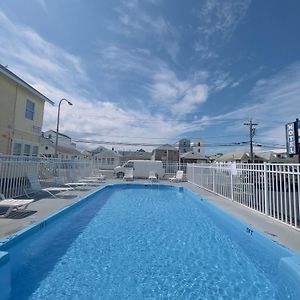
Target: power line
(208, 145)
(152, 144)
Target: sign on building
(291, 130)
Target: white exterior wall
(196, 148)
(107, 159)
(62, 140)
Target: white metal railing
(272, 189)
(13, 171)
(172, 168)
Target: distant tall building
(166, 153)
(197, 146)
(184, 145)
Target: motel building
(21, 115)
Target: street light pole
(57, 124)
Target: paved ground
(42, 207)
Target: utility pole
(251, 135)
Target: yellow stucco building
(21, 115)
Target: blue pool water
(137, 242)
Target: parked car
(141, 168)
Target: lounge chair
(60, 182)
(128, 175)
(90, 179)
(178, 177)
(71, 180)
(99, 177)
(36, 186)
(13, 204)
(152, 176)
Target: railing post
(266, 189)
(231, 185)
(213, 179)
(193, 172)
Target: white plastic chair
(152, 176)
(178, 177)
(128, 174)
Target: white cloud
(58, 73)
(272, 103)
(107, 121)
(117, 60)
(180, 97)
(29, 51)
(218, 21)
(164, 87)
(136, 21)
(192, 98)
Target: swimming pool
(147, 242)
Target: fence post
(231, 185)
(213, 179)
(193, 173)
(266, 189)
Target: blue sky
(154, 71)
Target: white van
(141, 168)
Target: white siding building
(108, 159)
(197, 146)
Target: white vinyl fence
(172, 168)
(272, 189)
(13, 171)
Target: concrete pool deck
(43, 207)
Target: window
(198, 150)
(27, 150)
(35, 150)
(17, 148)
(29, 112)
(129, 165)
